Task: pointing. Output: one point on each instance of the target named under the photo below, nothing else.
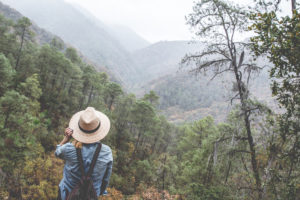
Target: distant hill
(162, 58)
(42, 36)
(184, 97)
(76, 28)
(129, 40)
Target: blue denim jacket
(71, 173)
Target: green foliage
(151, 97)
(279, 39)
(196, 174)
(39, 95)
(6, 73)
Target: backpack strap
(96, 154)
(79, 158)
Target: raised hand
(68, 132)
(68, 135)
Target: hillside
(42, 36)
(184, 97)
(129, 40)
(38, 98)
(162, 58)
(83, 33)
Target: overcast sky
(154, 20)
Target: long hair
(77, 144)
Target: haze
(154, 20)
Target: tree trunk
(6, 118)
(293, 5)
(154, 144)
(164, 171)
(268, 176)
(248, 129)
(90, 96)
(111, 102)
(20, 49)
(70, 88)
(136, 146)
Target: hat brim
(92, 137)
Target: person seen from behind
(88, 162)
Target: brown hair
(77, 144)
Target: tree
(197, 176)
(57, 43)
(24, 33)
(219, 21)
(7, 40)
(71, 53)
(6, 74)
(111, 92)
(279, 39)
(152, 98)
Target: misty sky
(154, 20)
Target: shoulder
(63, 151)
(68, 147)
(106, 152)
(106, 148)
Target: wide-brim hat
(89, 125)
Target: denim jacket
(71, 173)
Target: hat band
(89, 131)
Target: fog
(154, 20)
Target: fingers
(68, 132)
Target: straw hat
(89, 125)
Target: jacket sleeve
(106, 177)
(59, 152)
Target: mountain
(129, 40)
(183, 96)
(162, 58)
(105, 45)
(88, 36)
(42, 36)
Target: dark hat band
(89, 131)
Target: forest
(253, 154)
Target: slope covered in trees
(91, 37)
(38, 96)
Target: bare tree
(219, 22)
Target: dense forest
(253, 154)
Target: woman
(87, 127)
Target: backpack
(85, 190)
